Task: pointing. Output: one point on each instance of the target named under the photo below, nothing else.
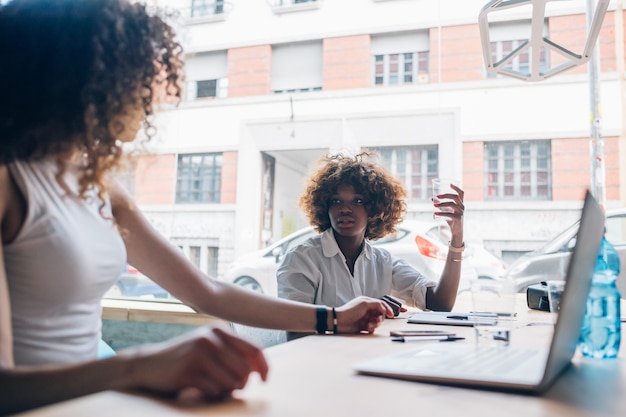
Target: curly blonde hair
(383, 193)
(72, 69)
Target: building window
(415, 166)
(199, 178)
(521, 63)
(206, 75)
(405, 68)
(297, 67)
(195, 255)
(400, 58)
(506, 37)
(518, 170)
(206, 88)
(200, 8)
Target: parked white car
(422, 244)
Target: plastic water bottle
(601, 330)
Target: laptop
(508, 368)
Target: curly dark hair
(71, 70)
(383, 193)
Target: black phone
(395, 305)
(421, 333)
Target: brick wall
(571, 167)
(347, 62)
(461, 54)
(155, 179)
(249, 71)
(473, 171)
(229, 178)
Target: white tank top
(63, 260)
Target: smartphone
(421, 333)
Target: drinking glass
(555, 292)
(442, 186)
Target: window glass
(414, 166)
(199, 178)
(400, 58)
(206, 75)
(519, 170)
(506, 37)
(201, 8)
(404, 78)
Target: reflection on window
(415, 166)
(402, 68)
(198, 178)
(518, 170)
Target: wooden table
(313, 376)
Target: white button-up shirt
(316, 272)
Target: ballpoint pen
(425, 338)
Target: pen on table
(485, 314)
(458, 317)
(424, 338)
(473, 318)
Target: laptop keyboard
(484, 360)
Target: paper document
(453, 318)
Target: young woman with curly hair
(79, 79)
(350, 201)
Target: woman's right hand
(209, 365)
(362, 314)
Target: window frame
(498, 52)
(400, 161)
(516, 166)
(418, 73)
(213, 171)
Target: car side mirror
(277, 252)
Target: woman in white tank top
(78, 79)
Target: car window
(290, 244)
(391, 238)
(563, 242)
(439, 233)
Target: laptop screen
(578, 283)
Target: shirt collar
(330, 247)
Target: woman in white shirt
(350, 201)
